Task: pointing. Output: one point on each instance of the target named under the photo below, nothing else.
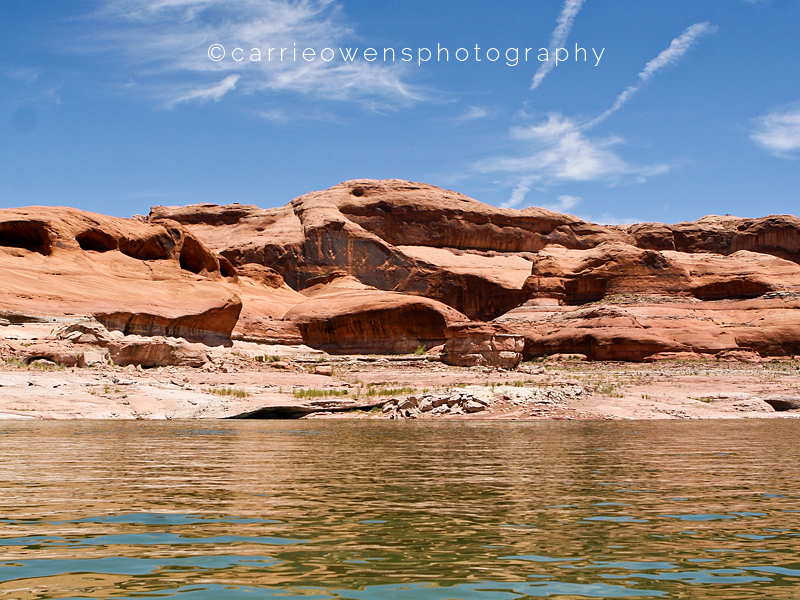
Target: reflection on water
(399, 510)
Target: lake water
(400, 510)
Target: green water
(399, 510)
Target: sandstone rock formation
(140, 278)
(483, 345)
(87, 341)
(158, 351)
(776, 235)
(390, 266)
(347, 317)
(641, 327)
(583, 276)
(265, 300)
(396, 236)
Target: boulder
(473, 407)
(483, 344)
(739, 355)
(93, 357)
(157, 351)
(86, 331)
(60, 353)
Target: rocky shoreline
(255, 381)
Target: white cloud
(563, 28)
(205, 93)
(565, 203)
(560, 151)
(610, 219)
(679, 46)
(474, 113)
(166, 44)
(779, 132)
(22, 74)
(276, 115)
(519, 193)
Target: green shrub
(317, 393)
(229, 391)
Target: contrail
(560, 34)
(678, 47)
(519, 193)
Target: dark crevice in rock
(30, 235)
(153, 247)
(298, 411)
(196, 258)
(96, 240)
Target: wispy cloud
(679, 46)
(275, 115)
(474, 113)
(165, 43)
(564, 204)
(611, 219)
(205, 93)
(779, 132)
(22, 74)
(519, 193)
(559, 151)
(563, 28)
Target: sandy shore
(249, 377)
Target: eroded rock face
(422, 240)
(209, 326)
(652, 329)
(583, 276)
(346, 317)
(484, 345)
(778, 235)
(395, 236)
(46, 229)
(403, 213)
(388, 266)
(144, 278)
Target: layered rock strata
(136, 277)
(483, 345)
(390, 266)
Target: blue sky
(693, 108)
